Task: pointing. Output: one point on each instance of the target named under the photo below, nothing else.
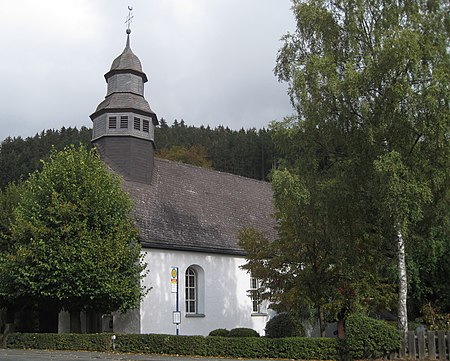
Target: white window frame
(254, 290)
(191, 291)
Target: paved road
(43, 355)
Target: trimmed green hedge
(220, 332)
(366, 338)
(61, 341)
(369, 338)
(235, 332)
(246, 347)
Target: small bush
(220, 332)
(284, 325)
(369, 338)
(434, 319)
(243, 332)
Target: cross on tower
(129, 19)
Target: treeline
(19, 156)
(249, 153)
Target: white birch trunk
(402, 286)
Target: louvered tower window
(124, 122)
(112, 122)
(145, 125)
(137, 123)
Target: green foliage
(234, 347)
(195, 155)
(220, 332)
(285, 324)
(435, 320)
(63, 341)
(20, 157)
(249, 153)
(235, 332)
(75, 243)
(243, 332)
(428, 266)
(369, 338)
(9, 198)
(365, 158)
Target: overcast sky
(208, 62)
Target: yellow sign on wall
(174, 279)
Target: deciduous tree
(75, 245)
(368, 150)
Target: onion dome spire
(123, 123)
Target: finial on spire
(129, 19)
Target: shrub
(243, 332)
(233, 347)
(434, 319)
(220, 332)
(284, 325)
(62, 341)
(369, 338)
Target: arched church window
(191, 282)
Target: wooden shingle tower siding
(123, 123)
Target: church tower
(123, 123)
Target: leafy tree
(9, 198)
(428, 266)
(75, 244)
(195, 155)
(367, 153)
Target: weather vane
(129, 19)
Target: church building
(188, 219)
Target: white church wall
(223, 297)
(128, 322)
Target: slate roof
(127, 62)
(123, 101)
(192, 208)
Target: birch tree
(369, 82)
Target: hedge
(213, 346)
(369, 338)
(366, 338)
(220, 332)
(59, 341)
